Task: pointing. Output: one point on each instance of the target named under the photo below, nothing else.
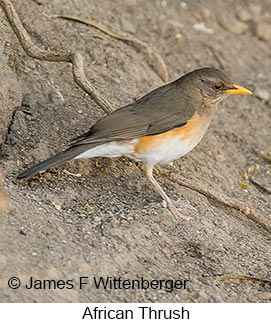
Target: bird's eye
(218, 87)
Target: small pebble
(244, 15)
(178, 36)
(127, 24)
(261, 76)
(262, 94)
(263, 31)
(59, 94)
(22, 232)
(67, 221)
(48, 176)
(56, 206)
(201, 27)
(233, 25)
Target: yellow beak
(238, 90)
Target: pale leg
(148, 172)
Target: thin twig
(220, 63)
(3, 196)
(34, 51)
(100, 26)
(263, 186)
(266, 156)
(224, 200)
(244, 277)
(81, 79)
(38, 2)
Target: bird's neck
(207, 109)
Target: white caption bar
(87, 312)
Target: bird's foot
(179, 204)
(175, 207)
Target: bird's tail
(56, 160)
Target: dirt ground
(102, 223)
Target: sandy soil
(62, 227)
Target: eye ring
(218, 87)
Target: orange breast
(190, 132)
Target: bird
(162, 126)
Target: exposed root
(255, 279)
(34, 51)
(162, 72)
(3, 196)
(218, 59)
(224, 200)
(266, 156)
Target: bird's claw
(174, 207)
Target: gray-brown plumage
(138, 130)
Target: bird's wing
(159, 111)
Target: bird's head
(213, 84)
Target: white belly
(111, 149)
(158, 149)
(165, 153)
